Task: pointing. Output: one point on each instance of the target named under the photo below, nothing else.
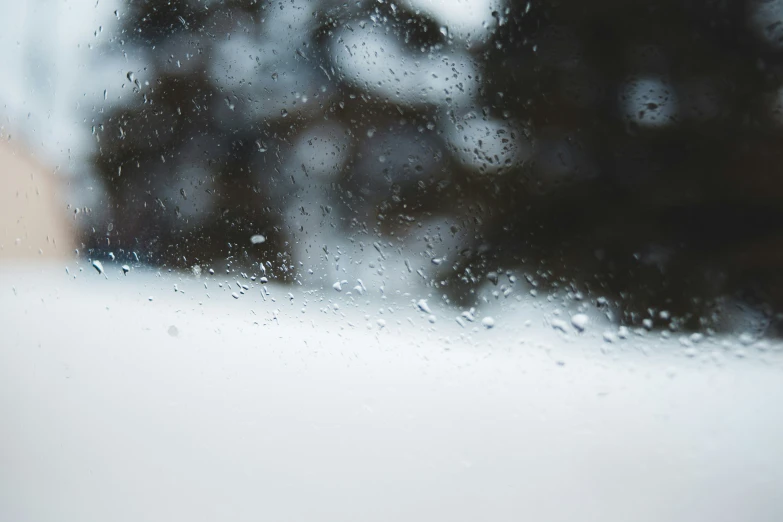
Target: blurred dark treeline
(628, 150)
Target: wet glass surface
(549, 230)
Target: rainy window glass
(391, 260)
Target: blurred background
(391, 260)
(621, 154)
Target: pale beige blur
(33, 220)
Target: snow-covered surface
(197, 408)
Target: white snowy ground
(196, 408)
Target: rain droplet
(488, 322)
(283, 113)
(580, 322)
(125, 269)
(423, 306)
(257, 239)
(173, 331)
(559, 324)
(337, 286)
(98, 266)
(493, 276)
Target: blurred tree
(624, 150)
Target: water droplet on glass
(257, 239)
(488, 322)
(559, 324)
(580, 321)
(173, 331)
(98, 266)
(423, 306)
(125, 269)
(337, 286)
